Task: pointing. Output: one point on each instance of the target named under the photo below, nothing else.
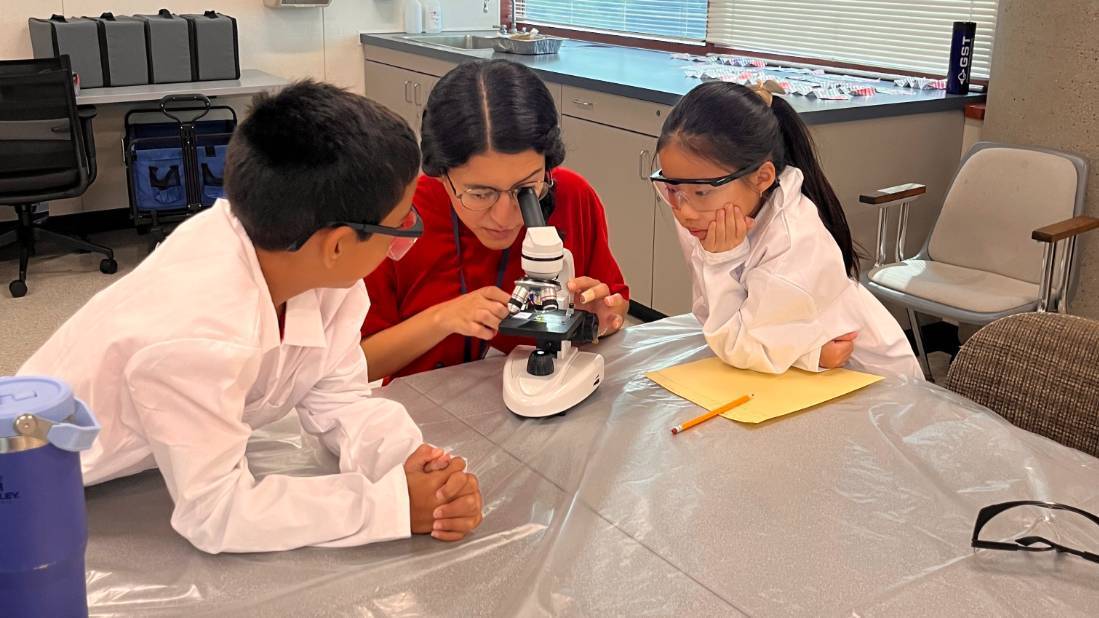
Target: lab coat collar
(304, 325)
(786, 194)
(788, 191)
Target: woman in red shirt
(489, 129)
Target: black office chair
(47, 152)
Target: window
(670, 19)
(881, 33)
(901, 34)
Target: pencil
(712, 413)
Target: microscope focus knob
(540, 363)
(588, 331)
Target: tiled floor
(58, 286)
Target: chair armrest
(1055, 252)
(890, 195)
(86, 113)
(884, 199)
(1068, 228)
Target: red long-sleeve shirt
(428, 274)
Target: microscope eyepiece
(531, 208)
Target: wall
(293, 43)
(1045, 80)
(862, 155)
(971, 133)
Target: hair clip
(767, 89)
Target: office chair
(47, 152)
(980, 263)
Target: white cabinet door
(405, 92)
(421, 87)
(616, 162)
(393, 88)
(671, 276)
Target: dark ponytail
(732, 125)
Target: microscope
(553, 375)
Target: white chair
(979, 263)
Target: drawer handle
(407, 94)
(641, 165)
(583, 103)
(416, 93)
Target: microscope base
(574, 378)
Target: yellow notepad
(711, 383)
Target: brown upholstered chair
(1040, 371)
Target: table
(251, 81)
(863, 506)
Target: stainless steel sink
(469, 43)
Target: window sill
(702, 48)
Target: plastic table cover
(863, 506)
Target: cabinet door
(421, 87)
(671, 276)
(616, 162)
(393, 88)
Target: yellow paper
(711, 384)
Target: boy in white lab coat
(253, 308)
(774, 268)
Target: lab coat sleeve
(371, 436)
(766, 324)
(776, 327)
(189, 399)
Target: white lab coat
(181, 360)
(772, 302)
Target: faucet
(513, 18)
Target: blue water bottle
(43, 524)
(960, 70)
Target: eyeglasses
(699, 192)
(1029, 543)
(482, 198)
(404, 235)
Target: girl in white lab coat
(775, 272)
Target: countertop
(651, 75)
(251, 81)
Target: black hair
(733, 126)
(492, 105)
(314, 154)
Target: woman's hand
(595, 296)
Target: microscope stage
(556, 325)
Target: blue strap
(463, 289)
